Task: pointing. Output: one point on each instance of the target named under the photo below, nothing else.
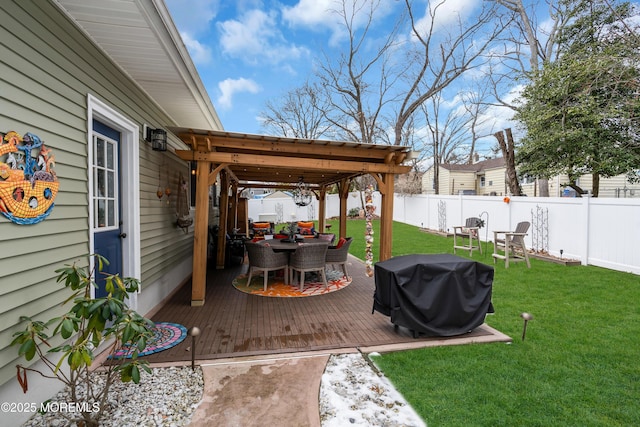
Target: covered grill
(438, 295)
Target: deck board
(235, 324)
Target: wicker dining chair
(308, 257)
(339, 255)
(263, 259)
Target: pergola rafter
(258, 161)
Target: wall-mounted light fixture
(157, 138)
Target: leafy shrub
(353, 212)
(90, 323)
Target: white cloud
(310, 13)
(194, 16)
(193, 21)
(447, 14)
(320, 15)
(255, 38)
(229, 87)
(200, 53)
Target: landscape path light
(194, 332)
(526, 317)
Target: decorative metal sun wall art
(28, 184)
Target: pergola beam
(272, 161)
(299, 146)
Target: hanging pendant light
(302, 194)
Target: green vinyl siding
(49, 68)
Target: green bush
(90, 323)
(353, 212)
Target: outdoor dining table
(278, 245)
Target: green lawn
(579, 364)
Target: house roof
(475, 167)
(140, 37)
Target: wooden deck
(235, 324)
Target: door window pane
(111, 213)
(99, 152)
(111, 184)
(101, 214)
(101, 189)
(110, 152)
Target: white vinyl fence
(284, 210)
(596, 231)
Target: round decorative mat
(277, 288)
(165, 336)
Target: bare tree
(356, 84)
(507, 146)
(526, 48)
(438, 60)
(447, 133)
(474, 103)
(300, 113)
(411, 183)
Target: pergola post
(322, 208)
(343, 192)
(200, 234)
(224, 214)
(385, 183)
(232, 220)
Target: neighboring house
(86, 77)
(483, 178)
(488, 177)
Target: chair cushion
(341, 242)
(261, 228)
(306, 231)
(305, 228)
(329, 237)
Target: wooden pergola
(257, 161)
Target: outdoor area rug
(165, 336)
(276, 287)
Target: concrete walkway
(261, 392)
(283, 389)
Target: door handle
(122, 235)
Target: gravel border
(167, 397)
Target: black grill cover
(438, 295)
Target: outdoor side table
(438, 294)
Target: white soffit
(141, 38)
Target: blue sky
(249, 51)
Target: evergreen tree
(581, 111)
